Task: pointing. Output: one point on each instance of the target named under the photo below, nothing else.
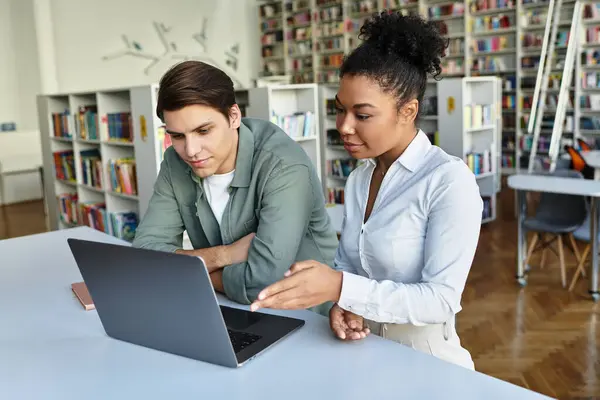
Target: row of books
(120, 126)
(93, 214)
(490, 23)
(589, 123)
(591, 101)
(551, 101)
(64, 165)
(91, 168)
(489, 64)
(483, 5)
(341, 168)
(508, 101)
(86, 122)
(477, 115)
(526, 143)
(67, 208)
(479, 163)
(590, 80)
(122, 174)
(335, 195)
(508, 161)
(490, 44)
(297, 125)
(60, 124)
(592, 34)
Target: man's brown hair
(195, 82)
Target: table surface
(592, 158)
(51, 348)
(554, 184)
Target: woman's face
(369, 121)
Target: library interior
(441, 240)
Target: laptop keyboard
(241, 340)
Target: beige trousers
(438, 340)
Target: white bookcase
(469, 115)
(295, 108)
(137, 107)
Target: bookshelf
(587, 83)
(486, 38)
(294, 108)
(92, 144)
(469, 125)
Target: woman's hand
(347, 325)
(306, 284)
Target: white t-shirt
(216, 189)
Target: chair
(583, 234)
(583, 145)
(578, 162)
(557, 215)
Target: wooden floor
(540, 337)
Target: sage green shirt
(275, 193)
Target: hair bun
(410, 38)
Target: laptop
(165, 301)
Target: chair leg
(575, 248)
(561, 256)
(544, 249)
(580, 269)
(534, 240)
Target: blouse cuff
(354, 294)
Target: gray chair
(583, 234)
(556, 217)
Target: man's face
(204, 138)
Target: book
(83, 295)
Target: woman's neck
(385, 161)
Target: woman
(412, 214)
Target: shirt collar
(414, 154)
(245, 154)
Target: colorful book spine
(64, 165)
(123, 177)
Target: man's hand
(347, 325)
(237, 252)
(306, 284)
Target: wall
(114, 43)
(19, 67)
(8, 86)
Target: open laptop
(165, 301)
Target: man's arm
(162, 228)
(217, 280)
(285, 212)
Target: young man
(246, 193)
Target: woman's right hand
(346, 325)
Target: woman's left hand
(306, 284)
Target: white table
(592, 158)
(51, 348)
(523, 183)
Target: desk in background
(523, 183)
(51, 348)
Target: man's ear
(235, 116)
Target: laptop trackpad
(239, 319)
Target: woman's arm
(455, 212)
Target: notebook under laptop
(165, 301)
